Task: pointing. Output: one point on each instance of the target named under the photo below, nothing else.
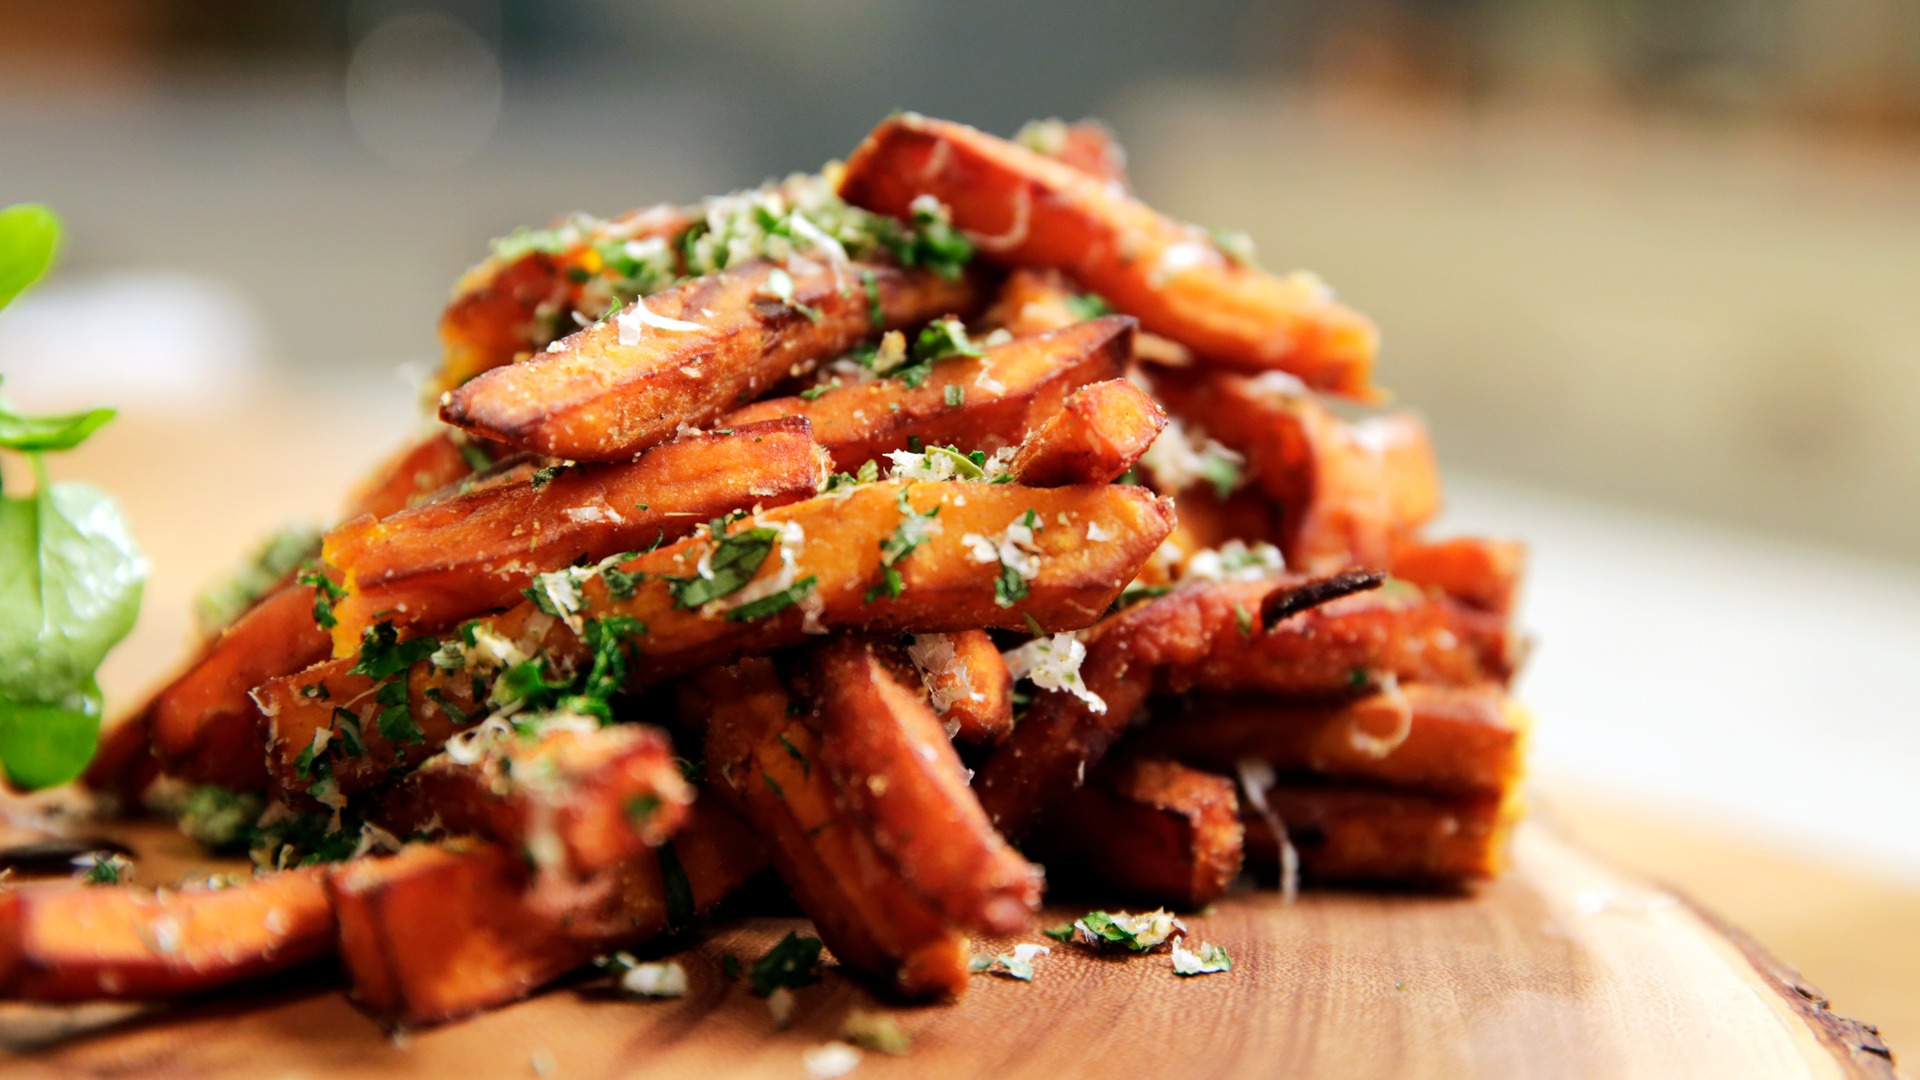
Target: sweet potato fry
(975, 403)
(865, 911)
(1447, 740)
(888, 756)
(1345, 492)
(70, 942)
(836, 580)
(436, 564)
(967, 683)
(1025, 209)
(1481, 573)
(505, 310)
(1362, 834)
(438, 932)
(1035, 301)
(204, 727)
(419, 470)
(124, 766)
(689, 355)
(1100, 432)
(1087, 145)
(575, 802)
(1157, 829)
(1306, 639)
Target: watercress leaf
(42, 745)
(35, 433)
(70, 581)
(29, 236)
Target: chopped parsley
(1119, 929)
(218, 818)
(774, 603)
(806, 767)
(326, 592)
(733, 562)
(1243, 619)
(788, 964)
(678, 890)
(914, 530)
(956, 395)
(542, 477)
(395, 722)
(104, 868)
(876, 314)
(1084, 306)
(383, 655)
(943, 338)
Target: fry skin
(943, 587)
(72, 942)
(1027, 210)
(1165, 832)
(436, 564)
(1344, 492)
(593, 398)
(967, 684)
(1364, 834)
(1446, 740)
(1480, 573)
(874, 922)
(1001, 396)
(1240, 636)
(890, 759)
(438, 932)
(1098, 435)
(576, 802)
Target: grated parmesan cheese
(1054, 664)
(1178, 460)
(631, 323)
(831, 1059)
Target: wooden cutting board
(1566, 968)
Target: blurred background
(1650, 267)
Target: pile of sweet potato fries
(830, 528)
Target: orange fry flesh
(974, 403)
(71, 942)
(436, 564)
(1025, 209)
(712, 343)
(943, 586)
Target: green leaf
(789, 963)
(43, 746)
(734, 562)
(29, 237)
(70, 581)
(37, 433)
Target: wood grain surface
(1566, 968)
